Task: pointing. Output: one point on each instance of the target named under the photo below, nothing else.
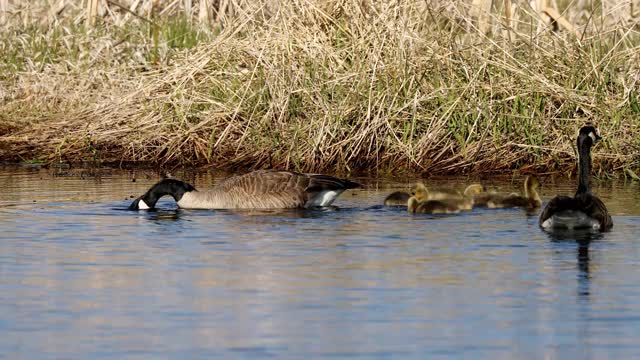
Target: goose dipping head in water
(584, 210)
(262, 189)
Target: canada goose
(397, 198)
(426, 202)
(584, 210)
(262, 189)
(529, 199)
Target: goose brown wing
(264, 179)
(277, 189)
(266, 189)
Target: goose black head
(588, 136)
(174, 188)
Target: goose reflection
(583, 239)
(179, 219)
(165, 215)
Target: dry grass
(394, 86)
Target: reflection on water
(582, 239)
(80, 277)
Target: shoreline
(95, 169)
(384, 91)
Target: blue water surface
(81, 277)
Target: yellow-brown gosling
(397, 198)
(423, 201)
(529, 199)
(400, 198)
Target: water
(80, 277)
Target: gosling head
(473, 190)
(531, 187)
(420, 192)
(531, 182)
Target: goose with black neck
(261, 189)
(584, 210)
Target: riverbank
(390, 88)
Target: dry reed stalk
(482, 11)
(507, 16)
(188, 8)
(4, 9)
(54, 12)
(543, 18)
(204, 12)
(92, 12)
(556, 17)
(328, 87)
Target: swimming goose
(529, 199)
(262, 189)
(423, 201)
(584, 210)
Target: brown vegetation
(323, 86)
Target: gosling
(529, 199)
(423, 201)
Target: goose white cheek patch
(142, 205)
